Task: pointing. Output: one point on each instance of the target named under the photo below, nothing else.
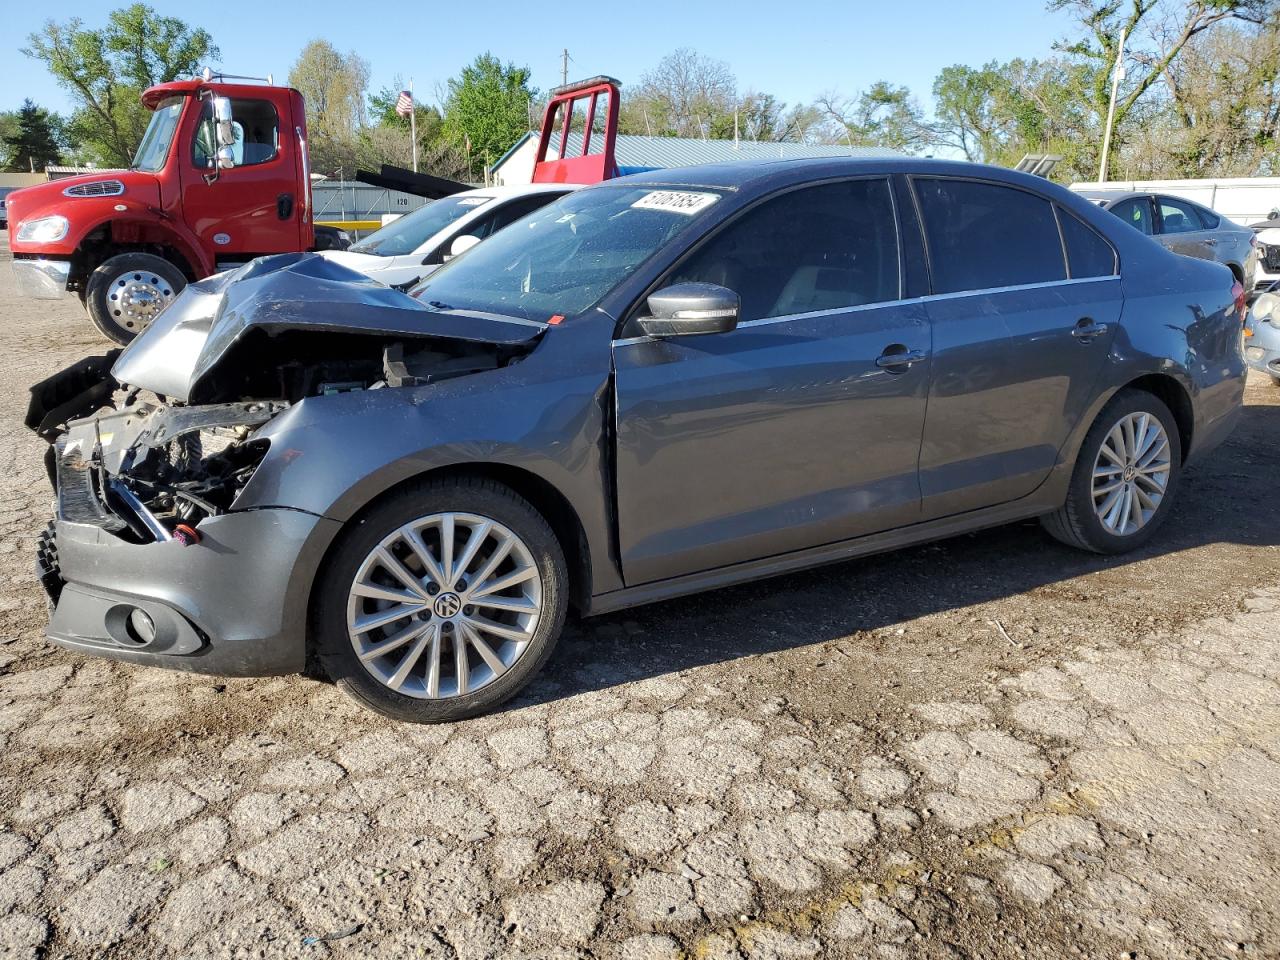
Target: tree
(33, 144)
(685, 95)
(333, 86)
(1157, 32)
(1223, 98)
(486, 108)
(883, 116)
(107, 70)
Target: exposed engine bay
(148, 442)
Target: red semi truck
(222, 176)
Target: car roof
(766, 174)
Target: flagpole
(413, 126)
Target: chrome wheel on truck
(441, 601)
(127, 292)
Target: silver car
(1262, 334)
(1185, 227)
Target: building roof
(653, 153)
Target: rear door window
(1137, 213)
(984, 235)
(1088, 254)
(1178, 216)
(824, 247)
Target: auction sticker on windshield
(675, 201)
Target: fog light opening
(140, 627)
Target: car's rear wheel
(1125, 477)
(441, 602)
(126, 292)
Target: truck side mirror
(222, 123)
(226, 158)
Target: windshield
(411, 231)
(566, 256)
(154, 150)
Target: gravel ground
(988, 747)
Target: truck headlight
(44, 230)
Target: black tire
(337, 655)
(111, 322)
(1076, 523)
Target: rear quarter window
(984, 235)
(1088, 254)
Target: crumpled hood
(291, 291)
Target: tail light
(1242, 306)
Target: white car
(407, 249)
(1268, 233)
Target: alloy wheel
(444, 605)
(136, 297)
(1131, 473)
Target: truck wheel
(441, 602)
(1125, 477)
(128, 291)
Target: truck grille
(1271, 260)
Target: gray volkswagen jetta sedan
(658, 385)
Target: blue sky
(795, 50)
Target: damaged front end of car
(151, 447)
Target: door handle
(896, 355)
(1211, 241)
(1085, 329)
(284, 206)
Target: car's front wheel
(442, 601)
(1125, 477)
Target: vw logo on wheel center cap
(1129, 473)
(447, 605)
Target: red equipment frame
(557, 121)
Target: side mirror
(222, 122)
(686, 309)
(461, 245)
(226, 158)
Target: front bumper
(42, 279)
(233, 604)
(1262, 350)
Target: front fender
(333, 455)
(142, 224)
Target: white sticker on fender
(675, 201)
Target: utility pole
(564, 67)
(1116, 76)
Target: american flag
(404, 103)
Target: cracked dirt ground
(987, 747)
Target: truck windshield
(566, 256)
(154, 150)
(411, 231)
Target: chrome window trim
(987, 291)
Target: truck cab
(222, 176)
